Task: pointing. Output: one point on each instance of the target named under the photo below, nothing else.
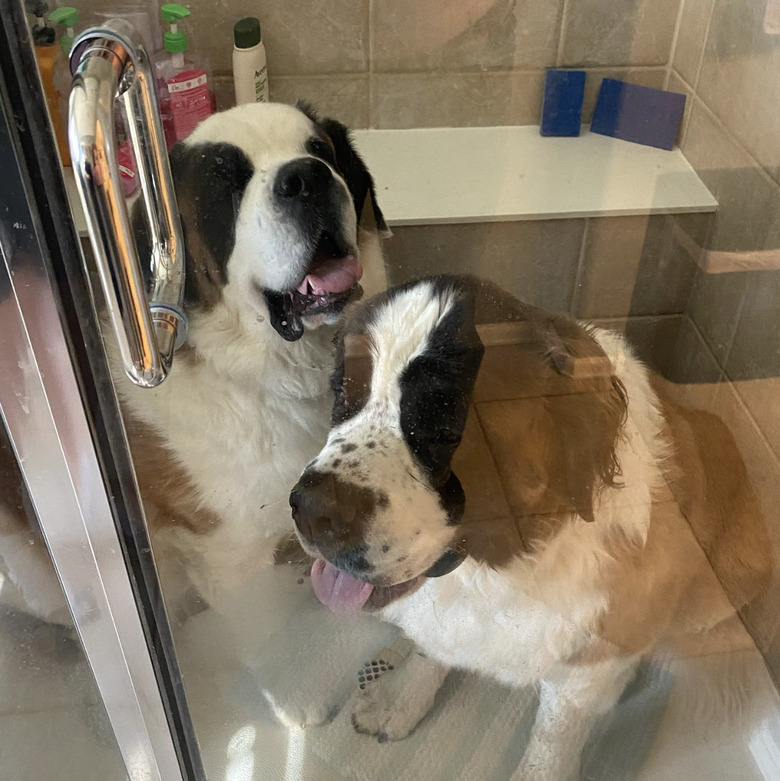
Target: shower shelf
(492, 174)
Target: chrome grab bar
(107, 63)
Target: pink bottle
(182, 85)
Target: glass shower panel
(53, 721)
(544, 488)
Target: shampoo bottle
(68, 17)
(182, 85)
(250, 71)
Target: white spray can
(250, 69)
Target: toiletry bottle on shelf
(250, 71)
(46, 51)
(182, 85)
(68, 17)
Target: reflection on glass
(53, 722)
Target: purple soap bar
(562, 103)
(639, 114)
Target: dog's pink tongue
(337, 590)
(333, 275)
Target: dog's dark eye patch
(318, 147)
(210, 181)
(436, 391)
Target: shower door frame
(62, 416)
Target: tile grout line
(562, 33)
(673, 47)
(494, 463)
(755, 424)
(704, 47)
(726, 380)
(371, 63)
(735, 141)
(576, 292)
(687, 122)
(475, 71)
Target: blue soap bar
(562, 104)
(639, 114)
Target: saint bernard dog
(590, 570)
(281, 228)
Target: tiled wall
(414, 63)
(727, 58)
(626, 272)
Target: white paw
(392, 704)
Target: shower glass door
(159, 615)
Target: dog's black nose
(302, 178)
(330, 513)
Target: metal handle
(107, 63)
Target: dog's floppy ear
(439, 383)
(587, 425)
(352, 168)
(209, 180)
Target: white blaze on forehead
(262, 131)
(400, 333)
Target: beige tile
(705, 622)
(738, 80)
(755, 350)
(646, 77)
(692, 395)
(509, 427)
(762, 399)
(300, 37)
(748, 217)
(619, 32)
(653, 338)
(676, 84)
(342, 97)
(477, 473)
(762, 617)
(633, 266)
(535, 260)
(345, 98)
(426, 35)
(456, 99)
(691, 38)
(224, 92)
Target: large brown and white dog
(280, 223)
(587, 574)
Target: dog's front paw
(391, 705)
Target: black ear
(210, 181)
(351, 166)
(438, 385)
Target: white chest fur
(485, 621)
(242, 420)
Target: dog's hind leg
(569, 706)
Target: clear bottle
(182, 85)
(68, 17)
(46, 53)
(250, 69)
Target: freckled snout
(331, 515)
